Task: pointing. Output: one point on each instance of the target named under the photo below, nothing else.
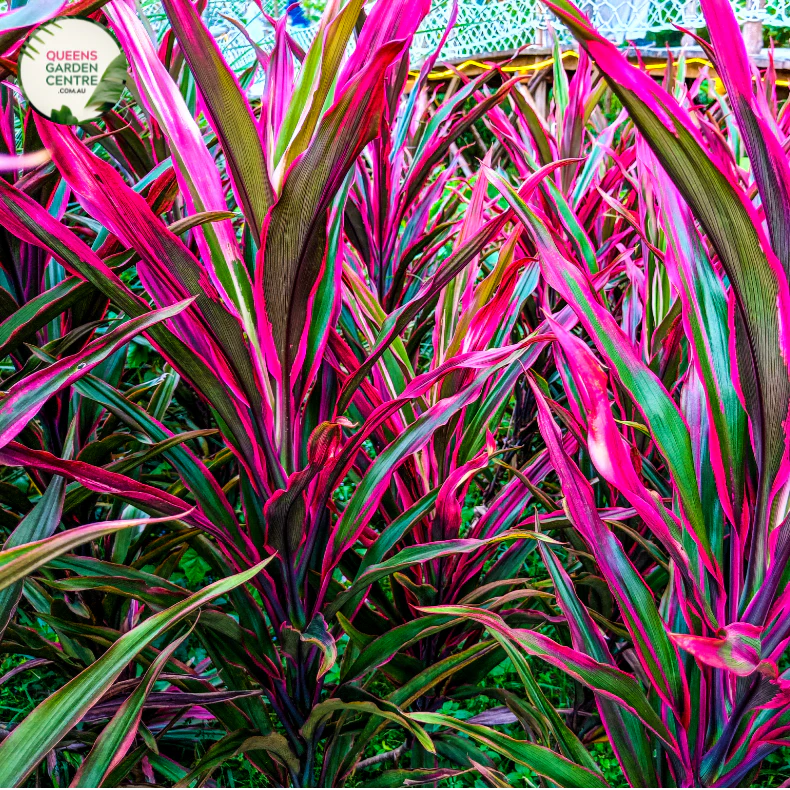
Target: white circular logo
(72, 70)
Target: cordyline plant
(415, 411)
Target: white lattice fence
(483, 26)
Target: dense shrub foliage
(359, 428)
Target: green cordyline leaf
(412, 555)
(203, 486)
(541, 760)
(568, 742)
(21, 327)
(415, 688)
(21, 561)
(381, 650)
(240, 742)
(619, 686)
(37, 525)
(198, 219)
(228, 111)
(116, 738)
(706, 313)
(158, 595)
(42, 729)
(326, 300)
(317, 633)
(627, 734)
(404, 777)
(316, 79)
(78, 494)
(386, 711)
(561, 88)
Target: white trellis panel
(483, 26)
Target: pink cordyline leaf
(451, 495)
(362, 505)
(657, 654)
(14, 203)
(707, 324)
(278, 90)
(603, 678)
(662, 414)
(27, 396)
(735, 648)
(386, 22)
(228, 111)
(726, 213)
(197, 173)
(457, 296)
(766, 152)
(292, 253)
(771, 170)
(105, 482)
(609, 451)
(168, 269)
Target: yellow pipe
(542, 64)
(440, 75)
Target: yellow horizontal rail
(542, 64)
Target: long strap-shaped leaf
(142, 495)
(38, 524)
(30, 741)
(666, 423)
(20, 561)
(383, 709)
(27, 396)
(198, 175)
(116, 738)
(31, 222)
(771, 174)
(30, 14)
(735, 231)
(33, 315)
(413, 555)
(541, 760)
(193, 471)
(656, 652)
(167, 267)
(228, 112)
(705, 315)
(627, 735)
(617, 685)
